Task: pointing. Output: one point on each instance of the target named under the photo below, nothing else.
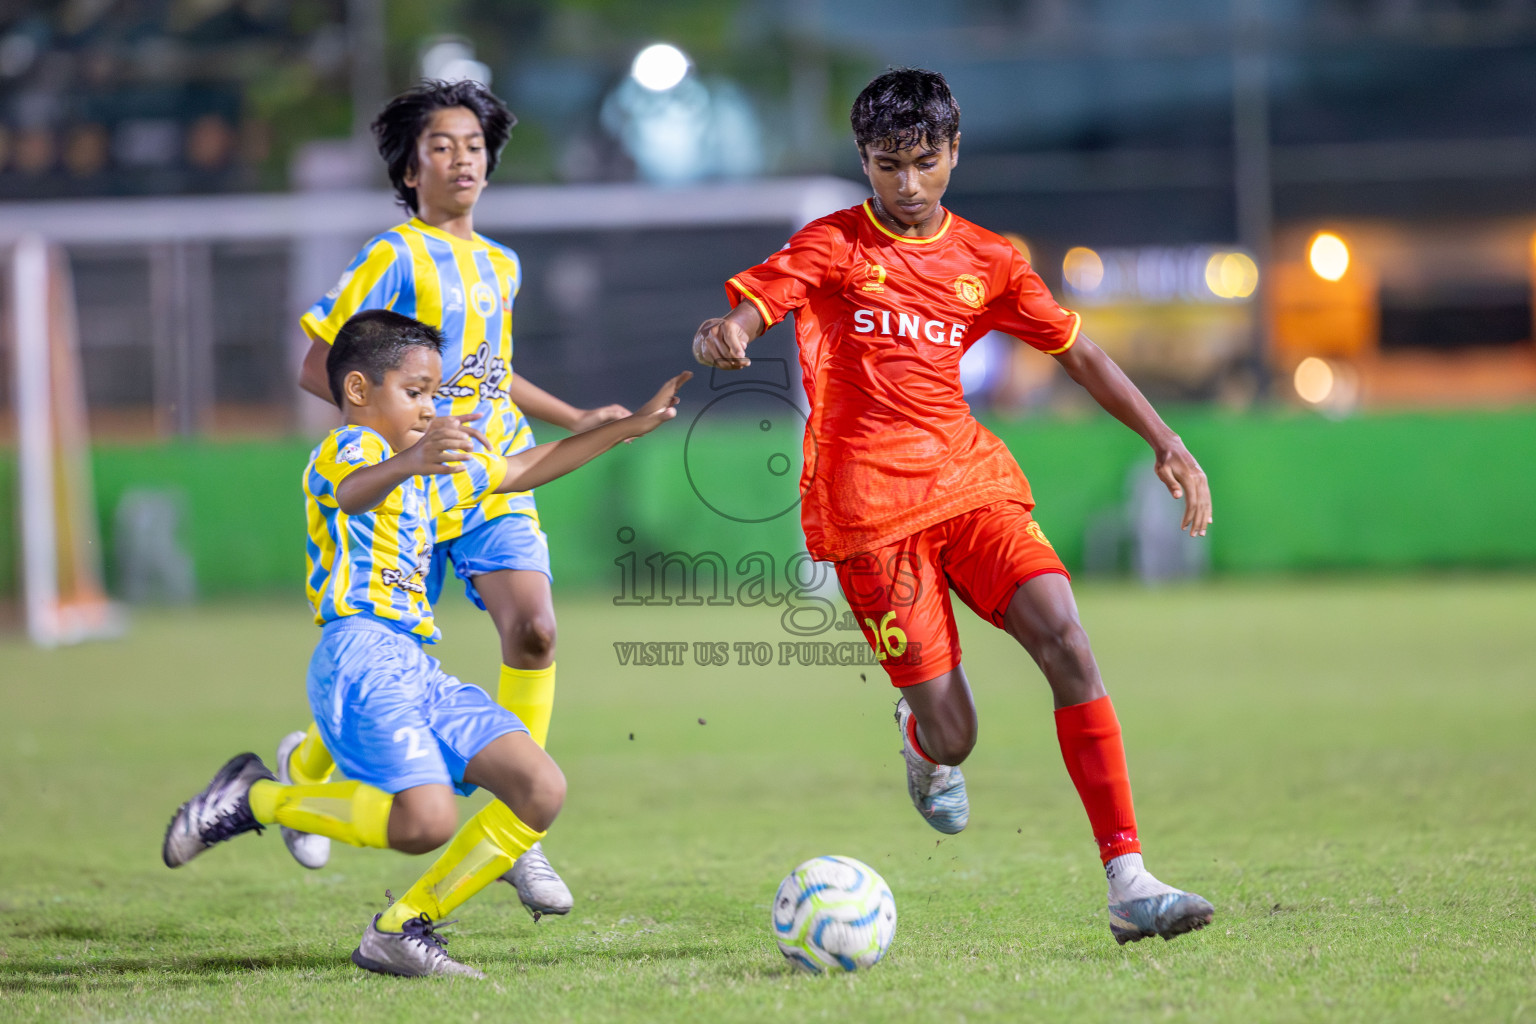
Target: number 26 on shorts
(889, 639)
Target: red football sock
(912, 739)
(1089, 735)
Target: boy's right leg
(529, 789)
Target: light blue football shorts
(512, 541)
(390, 715)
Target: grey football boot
(540, 888)
(937, 790)
(308, 849)
(416, 952)
(221, 811)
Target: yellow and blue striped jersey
(465, 289)
(376, 563)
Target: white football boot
(937, 790)
(540, 888)
(1140, 906)
(416, 952)
(308, 849)
(221, 811)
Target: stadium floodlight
(659, 67)
(451, 59)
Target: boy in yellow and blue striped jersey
(406, 734)
(440, 141)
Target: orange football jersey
(881, 321)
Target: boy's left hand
(1185, 479)
(661, 406)
(443, 448)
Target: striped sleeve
(483, 473)
(372, 281)
(346, 450)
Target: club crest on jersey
(971, 291)
(874, 278)
(483, 298)
(1033, 529)
(352, 453)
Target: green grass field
(1344, 768)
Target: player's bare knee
(1065, 650)
(530, 640)
(955, 744)
(948, 741)
(422, 826)
(546, 795)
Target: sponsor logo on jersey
(405, 581)
(874, 278)
(335, 292)
(971, 291)
(479, 373)
(455, 303)
(896, 324)
(483, 297)
(353, 452)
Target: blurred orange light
(1328, 255)
(1314, 380)
(1083, 269)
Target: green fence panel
(1293, 492)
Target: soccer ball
(834, 913)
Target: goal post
(63, 597)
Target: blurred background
(1307, 228)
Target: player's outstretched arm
(1091, 367)
(442, 449)
(312, 371)
(537, 466)
(721, 341)
(540, 404)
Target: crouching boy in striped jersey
(406, 734)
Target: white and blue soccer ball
(834, 914)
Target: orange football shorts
(900, 593)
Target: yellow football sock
(349, 811)
(529, 693)
(482, 852)
(310, 763)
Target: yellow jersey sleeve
(374, 280)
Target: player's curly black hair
(403, 119)
(374, 342)
(905, 107)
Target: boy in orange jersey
(909, 496)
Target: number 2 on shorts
(890, 640)
(413, 745)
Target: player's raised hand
(722, 343)
(662, 405)
(1185, 479)
(446, 443)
